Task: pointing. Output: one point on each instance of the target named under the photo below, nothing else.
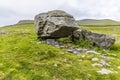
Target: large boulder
(100, 40)
(54, 24)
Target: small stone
(96, 64)
(53, 42)
(70, 50)
(84, 50)
(76, 52)
(104, 71)
(102, 62)
(93, 52)
(62, 47)
(55, 65)
(79, 50)
(95, 59)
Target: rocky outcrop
(100, 40)
(54, 24)
(58, 24)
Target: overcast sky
(11, 11)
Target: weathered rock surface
(100, 40)
(54, 24)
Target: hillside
(26, 22)
(24, 57)
(98, 22)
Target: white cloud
(13, 10)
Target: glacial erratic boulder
(100, 40)
(54, 24)
(58, 24)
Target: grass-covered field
(24, 57)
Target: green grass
(24, 57)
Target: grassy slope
(23, 57)
(26, 22)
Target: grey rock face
(100, 40)
(54, 24)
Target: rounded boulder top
(59, 13)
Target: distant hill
(26, 22)
(101, 22)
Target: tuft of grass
(83, 43)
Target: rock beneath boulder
(100, 40)
(55, 24)
(53, 42)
